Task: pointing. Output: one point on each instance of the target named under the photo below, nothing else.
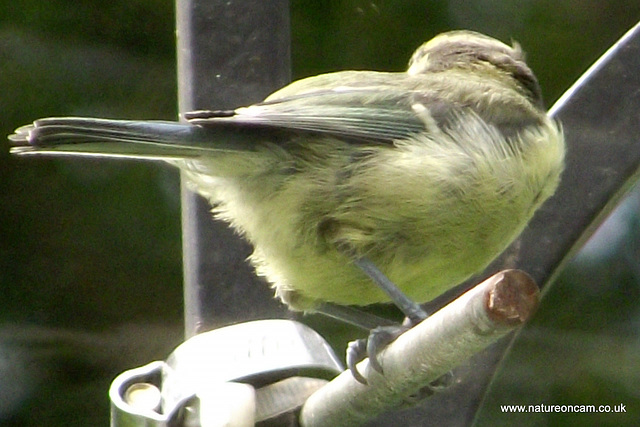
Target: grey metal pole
(230, 53)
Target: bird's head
(473, 51)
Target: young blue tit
(360, 187)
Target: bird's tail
(161, 140)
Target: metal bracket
(246, 373)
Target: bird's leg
(410, 308)
(385, 333)
(358, 350)
(382, 335)
(353, 316)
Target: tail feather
(158, 140)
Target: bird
(359, 187)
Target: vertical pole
(230, 54)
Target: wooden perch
(426, 352)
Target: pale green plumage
(446, 216)
(430, 173)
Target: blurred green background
(90, 251)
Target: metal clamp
(236, 376)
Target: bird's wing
(358, 106)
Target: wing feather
(364, 106)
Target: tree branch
(423, 354)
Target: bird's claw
(360, 349)
(356, 352)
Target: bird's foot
(360, 349)
(369, 347)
